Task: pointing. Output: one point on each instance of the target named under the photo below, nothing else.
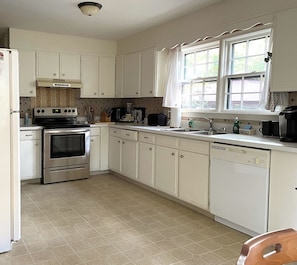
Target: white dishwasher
(239, 187)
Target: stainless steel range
(66, 145)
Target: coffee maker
(288, 124)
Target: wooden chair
(273, 248)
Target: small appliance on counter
(89, 112)
(288, 124)
(157, 119)
(121, 114)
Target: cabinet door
(70, 66)
(193, 178)
(129, 158)
(119, 76)
(284, 67)
(131, 75)
(48, 65)
(89, 76)
(106, 77)
(104, 148)
(95, 153)
(146, 163)
(27, 73)
(114, 157)
(166, 169)
(283, 191)
(30, 159)
(148, 62)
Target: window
(231, 67)
(246, 71)
(200, 74)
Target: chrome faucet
(210, 122)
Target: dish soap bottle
(236, 126)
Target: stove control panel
(55, 112)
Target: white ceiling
(116, 20)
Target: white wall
(226, 15)
(26, 39)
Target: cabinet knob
(102, 93)
(31, 92)
(95, 93)
(123, 142)
(151, 92)
(63, 74)
(54, 74)
(119, 141)
(92, 140)
(150, 149)
(136, 93)
(172, 153)
(181, 156)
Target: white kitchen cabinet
(283, 191)
(119, 76)
(104, 138)
(129, 153)
(194, 172)
(115, 150)
(30, 154)
(95, 146)
(166, 170)
(89, 76)
(51, 64)
(27, 73)
(132, 75)
(284, 57)
(146, 163)
(106, 76)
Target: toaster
(157, 119)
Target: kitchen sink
(208, 132)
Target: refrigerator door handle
(14, 111)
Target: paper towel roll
(175, 117)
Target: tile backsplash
(57, 97)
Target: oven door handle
(63, 131)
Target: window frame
(224, 60)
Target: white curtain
(172, 98)
(272, 99)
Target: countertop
(270, 143)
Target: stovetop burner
(52, 118)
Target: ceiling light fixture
(89, 8)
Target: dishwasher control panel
(241, 155)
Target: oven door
(66, 147)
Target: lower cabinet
(146, 162)
(99, 149)
(283, 191)
(95, 149)
(166, 170)
(30, 154)
(115, 150)
(193, 172)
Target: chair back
(273, 248)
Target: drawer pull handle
(29, 135)
(127, 134)
(145, 137)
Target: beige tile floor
(107, 220)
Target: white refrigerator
(10, 202)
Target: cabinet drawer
(30, 135)
(115, 132)
(200, 147)
(129, 135)
(147, 138)
(95, 131)
(167, 141)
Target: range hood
(58, 83)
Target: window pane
(186, 89)
(238, 66)
(256, 64)
(197, 88)
(239, 50)
(257, 46)
(235, 85)
(200, 70)
(201, 57)
(213, 69)
(213, 55)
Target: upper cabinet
(53, 65)
(106, 76)
(89, 76)
(97, 76)
(284, 56)
(141, 74)
(132, 75)
(27, 73)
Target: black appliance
(117, 114)
(157, 119)
(288, 124)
